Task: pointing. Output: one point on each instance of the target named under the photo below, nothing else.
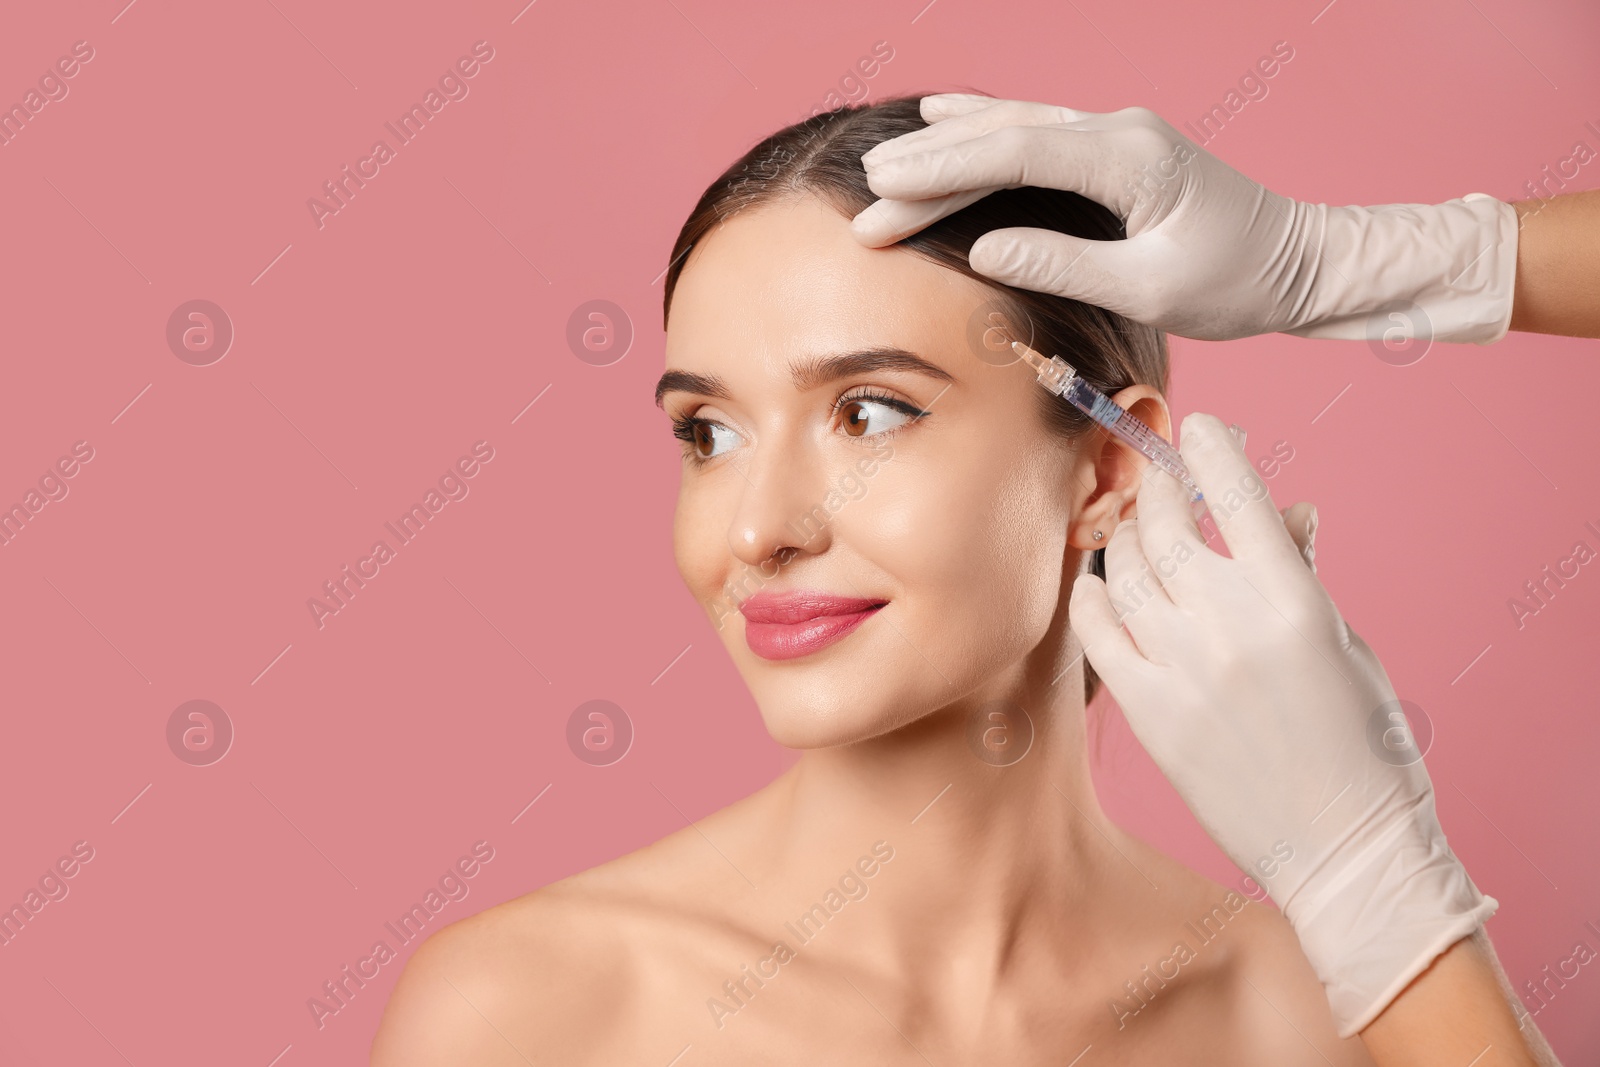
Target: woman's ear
(1109, 472)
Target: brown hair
(821, 157)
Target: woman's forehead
(790, 279)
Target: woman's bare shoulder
(572, 969)
(1278, 999)
(1250, 975)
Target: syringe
(1057, 375)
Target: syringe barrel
(1130, 430)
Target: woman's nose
(781, 506)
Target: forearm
(1558, 265)
(1458, 1011)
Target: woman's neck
(997, 836)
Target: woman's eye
(860, 415)
(704, 436)
(863, 417)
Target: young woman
(883, 515)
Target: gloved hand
(1210, 254)
(1257, 701)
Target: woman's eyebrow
(819, 370)
(812, 372)
(688, 382)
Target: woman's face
(943, 537)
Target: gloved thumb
(1300, 519)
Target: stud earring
(1098, 535)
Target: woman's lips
(789, 625)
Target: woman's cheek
(970, 537)
(701, 554)
(903, 524)
(1029, 546)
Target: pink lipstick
(790, 625)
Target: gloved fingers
(1168, 533)
(1141, 602)
(1300, 519)
(1103, 273)
(937, 107)
(1106, 645)
(1361, 653)
(1091, 162)
(1238, 499)
(883, 222)
(964, 122)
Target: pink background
(427, 314)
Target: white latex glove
(1254, 697)
(1210, 254)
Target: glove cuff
(1440, 271)
(1386, 918)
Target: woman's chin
(806, 727)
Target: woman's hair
(821, 157)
